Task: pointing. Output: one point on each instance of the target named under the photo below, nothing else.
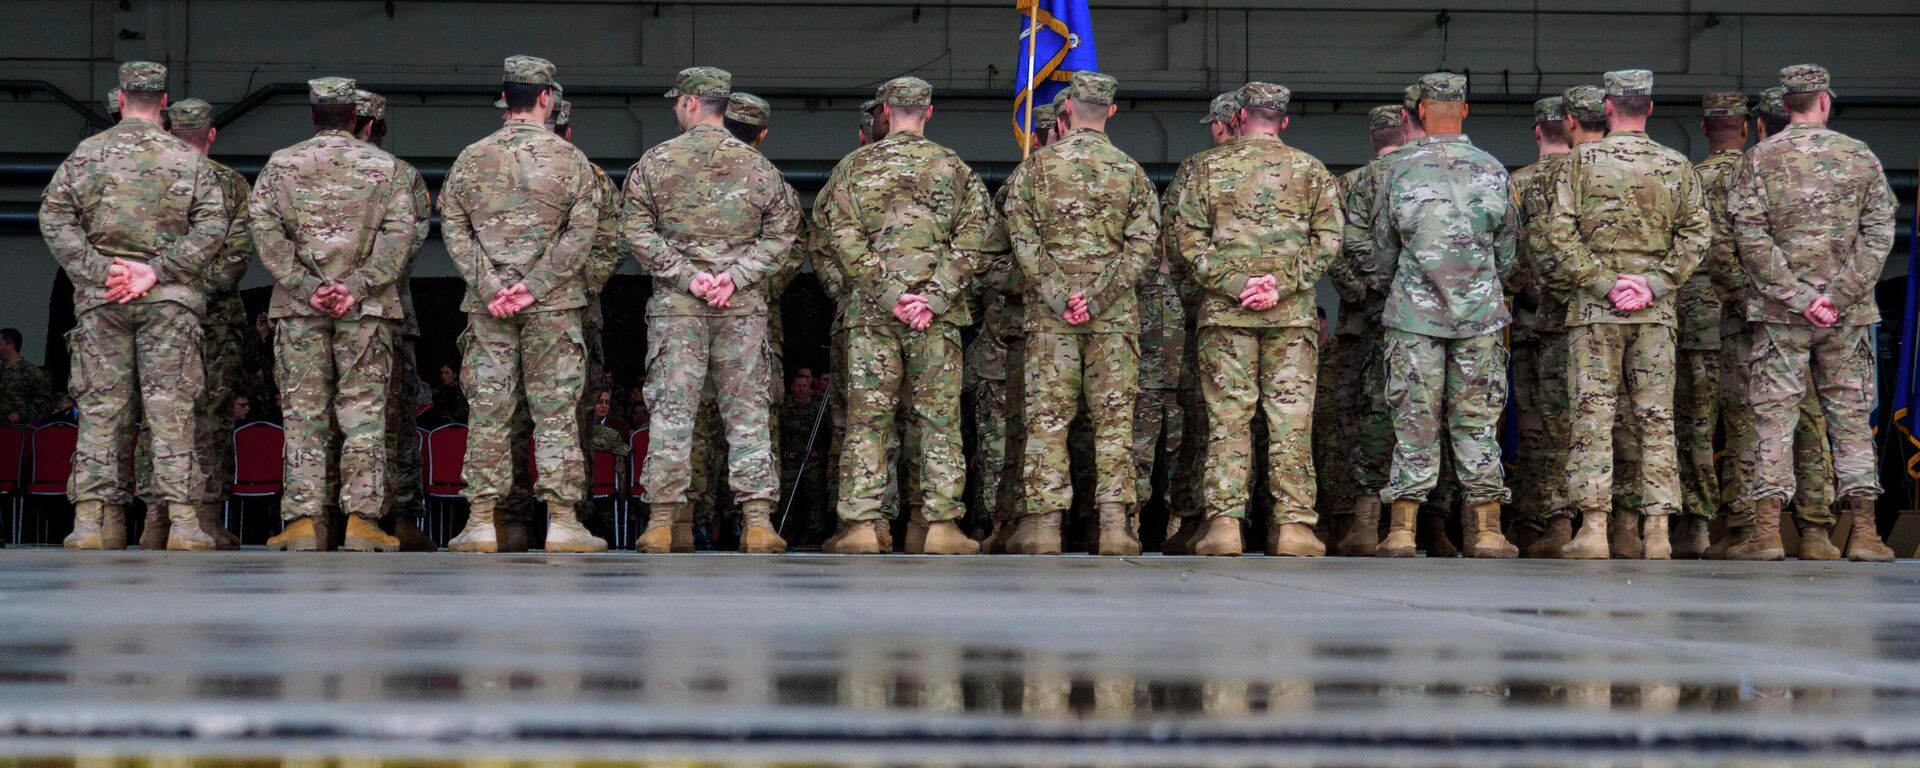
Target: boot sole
(574, 549)
(1275, 553)
(488, 548)
(1870, 558)
(1395, 553)
(368, 545)
(193, 547)
(297, 545)
(1763, 556)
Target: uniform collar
(1442, 139)
(1252, 137)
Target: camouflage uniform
(223, 326)
(609, 250)
(1624, 205)
(135, 192)
(1813, 216)
(1259, 207)
(1539, 365)
(1365, 422)
(332, 210)
(1082, 218)
(993, 365)
(25, 393)
(905, 215)
(1696, 400)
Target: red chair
(445, 461)
(51, 463)
(636, 458)
(259, 469)
(606, 485)
(13, 454)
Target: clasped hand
(1630, 293)
(1262, 293)
(912, 309)
(129, 280)
(715, 290)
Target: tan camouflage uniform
(1539, 365)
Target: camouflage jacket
(1702, 311)
(1626, 205)
(796, 427)
(1163, 328)
(1355, 273)
(24, 392)
(1722, 264)
(1538, 306)
(135, 192)
(221, 284)
(1443, 239)
(1258, 207)
(1000, 294)
(422, 226)
(521, 206)
(1357, 301)
(333, 209)
(1082, 217)
(705, 202)
(1813, 214)
(609, 248)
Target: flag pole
(1033, 42)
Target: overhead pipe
(94, 119)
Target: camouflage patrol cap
(904, 92)
(1264, 95)
(748, 108)
(1586, 103)
(1725, 104)
(1382, 117)
(531, 70)
(113, 101)
(1551, 109)
(1410, 98)
(866, 112)
(1045, 116)
(1059, 102)
(1773, 103)
(1806, 78)
(1443, 86)
(143, 76)
(1629, 82)
(330, 90)
(1222, 109)
(562, 113)
(1092, 88)
(702, 81)
(370, 105)
(189, 114)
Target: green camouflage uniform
(1259, 207)
(1366, 436)
(993, 365)
(608, 252)
(135, 192)
(1082, 218)
(1539, 366)
(334, 210)
(1443, 241)
(1813, 215)
(25, 393)
(222, 329)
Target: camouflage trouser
(1812, 457)
(334, 375)
(127, 359)
(1530, 430)
(1548, 377)
(1185, 495)
(596, 362)
(1452, 389)
(702, 487)
(1334, 400)
(1841, 359)
(213, 420)
(1061, 371)
(684, 352)
(990, 440)
(1628, 458)
(403, 445)
(543, 355)
(1631, 363)
(1247, 372)
(890, 366)
(1696, 411)
(1159, 428)
(1370, 447)
(518, 504)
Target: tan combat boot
(153, 534)
(757, 536)
(997, 541)
(300, 535)
(916, 532)
(683, 530)
(481, 534)
(113, 527)
(862, 539)
(1591, 543)
(1865, 546)
(510, 534)
(183, 530)
(1760, 541)
(1400, 521)
(1039, 534)
(1739, 518)
(412, 539)
(883, 531)
(1816, 543)
(832, 545)
(946, 538)
(658, 538)
(1116, 537)
(1220, 537)
(1433, 528)
(566, 534)
(1559, 533)
(1623, 529)
(1294, 540)
(1363, 535)
(1180, 541)
(87, 516)
(223, 539)
(1654, 541)
(364, 535)
(1690, 538)
(1487, 541)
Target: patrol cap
(189, 114)
(1629, 82)
(562, 113)
(1443, 86)
(1222, 109)
(1724, 104)
(904, 92)
(1383, 117)
(1551, 109)
(1410, 98)
(866, 112)
(113, 101)
(330, 90)
(1806, 78)
(1586, 103)
(1773, 103)
(1264, 95)
(531, 70)
(143, 76)
(1059, 103)
(370, 105)
(748, 108)
(702, 81)
(1092, 88)
(1044, 116)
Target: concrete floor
(903, 660)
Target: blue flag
(1062, 44)
(1906, 377)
